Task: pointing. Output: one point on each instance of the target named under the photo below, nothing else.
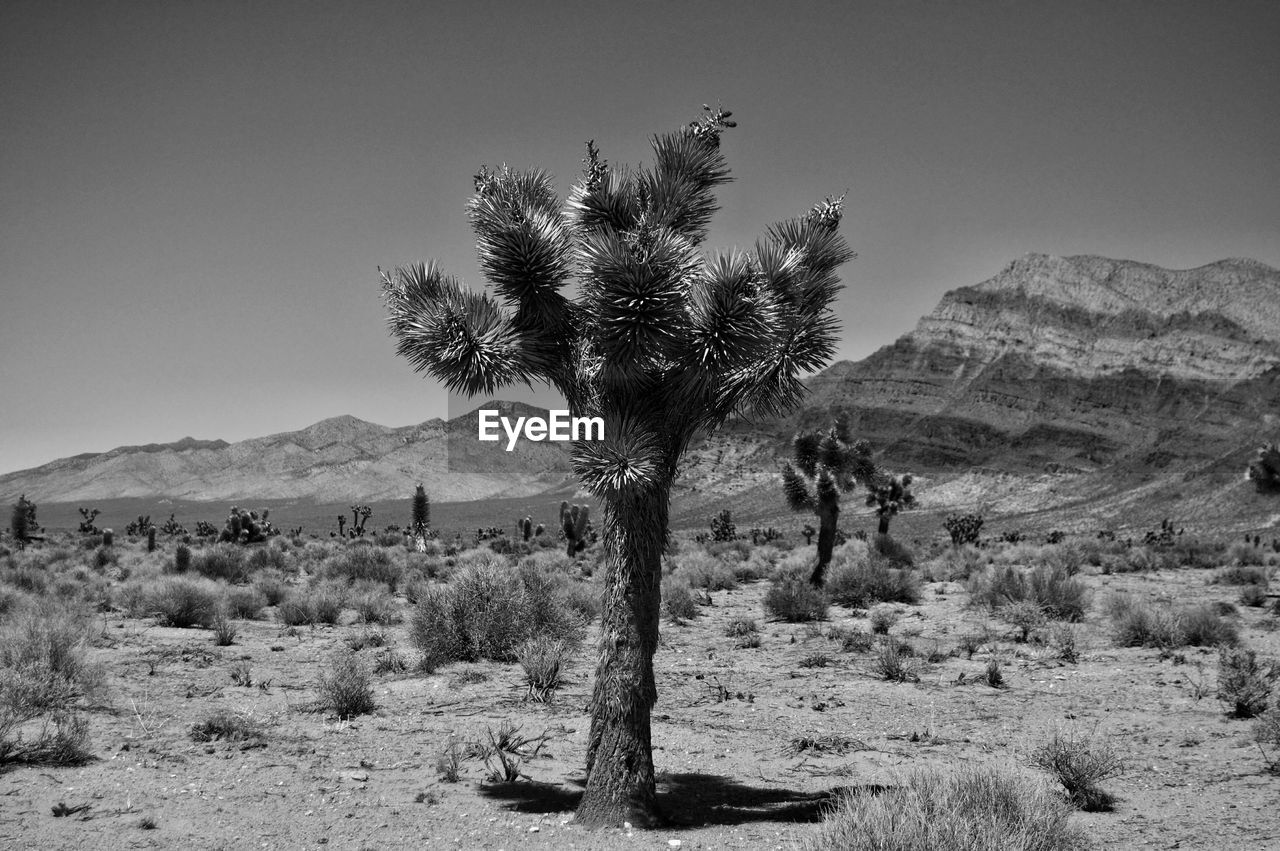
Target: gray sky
(194, 197)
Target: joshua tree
(889, 495)
(1264, 470)
(826, 465)
(661, 343)
(573, 522)
(22, 522)
(421, 518)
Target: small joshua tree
(421, 518)
(22, 522)
(824, 466)
(1264, 470)
(888, 495)
(524, 526)
(662, 342)
(573, 522)
(87, 516)
(722, 528)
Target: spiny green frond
(825, 487)
(462, 338)
(629, 459)
(796, 490)
(636, 288)
(611, 202)
(805, 449)
(731, 318)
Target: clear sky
(194, 196)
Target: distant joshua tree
(824, 466)
(1264, 470)
(888, 495)
(662, 343)
(421, 519)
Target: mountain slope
(1078, 385)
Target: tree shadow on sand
(690, 800)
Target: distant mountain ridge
(1081, 381)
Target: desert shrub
(224, 629)
(245, 602)
(1266, 732)
(1065, 642)
(738, 549)
(182, 601)
(28, 578)
(856, 641)
(893, 661)
(345, 687)
(44, 659)
(584, 598)
(1244, 555)
(740, 627)
(972, 808)
(222, 561)
(272, 585)
(1244, 684)
(791, 598)
(1137, 624)
(423, 564)
(1080, 762)
(414, 585)
(1059, 595)
(225, 725)
(268, 557)
(373, 604)
(959, 562)
(994, 674)
(702, 570)
(543, 660)
(182, 559)
(320, 603)
(364, 562)
(488, 613)
(63, 740)
(896, 553)
(882, 619)
(1024, 615)
(678, 602)
(1254, 596)
(1240, 575)
(1202, 626)
(860, 584)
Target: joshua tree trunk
(884, 524)
(828, 513)
(620, 782)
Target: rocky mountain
(337, 459)
(1064, 381)
(1083, 389)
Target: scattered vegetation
(1080, 762)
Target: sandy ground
(723, 727)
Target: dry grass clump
(1266, 732)
(861, 582)
(969, 809)
(957, 563)
(222, 561)
(272, 585)
(320, 603)
(543, 660)
(1024, 615)
(488, 613)
(224, 629)
(792, 599)
(1058, 594)
(882, 619)
(364, 562)
(1241, 575)
(373, 603)
(225, 725)
(894, 661)
(678, 602)
(1137, 624)
(1080, 762)
(44, 672)
(346, 687)
(700, 569)
(182, 601)
(245, 602)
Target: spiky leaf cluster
(889, 495)
(1264, 470)
(661, 340)
(824, 465)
